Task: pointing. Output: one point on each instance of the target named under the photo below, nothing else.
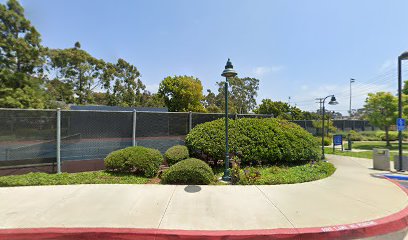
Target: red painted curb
(389, 224)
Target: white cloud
(263, 70)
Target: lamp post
(351, 81)
(228, 72)
(332, 102)
(403, 56)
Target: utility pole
(351, 81)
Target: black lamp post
(228, 72)
(332, 102)
(403, 56)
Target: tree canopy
(182, 93)
(381, 110)
(21, 60)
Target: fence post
(58, 140)
(236, 116)
(190, 121)
(134, 128)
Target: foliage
(78, 68)
(99, 177)
(285, 111)
(134, 159)
(257, 141)
(182, 93)
(328, 140)
(392, 136)
(176, 154)
(285, 174)
(241, 94)
(381, 109)
(60, 91)
(328, 126)
(21, 59)
(127, 89)
(189, 171)
(354, 136)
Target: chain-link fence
(29, 137)
(341, 125)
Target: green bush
(176, 154)
(255, 140)
(189, 171)
(355, 136)
(392, 135)
(134, 159)
(327, 140)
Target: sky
(298, 49)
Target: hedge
(176, 154)
(134, 159)
(189, 171)
(255, 140)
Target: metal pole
(399, 115)
(226, 176)
(323, 133)
(134, 128)
(190, 121)
(350, 100)
(58, 140)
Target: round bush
(256, 141)
(328, 140)
(176, 154)
(135, 159)
(189, 171)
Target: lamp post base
(226, 178)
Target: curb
(389, 224)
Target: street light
(351, 81)
(333, 101)
(403, 56)
(228, 72)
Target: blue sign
(401, 124)
(337, 140)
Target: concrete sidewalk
(351, 197)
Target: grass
(98, 177)
(379, 144)
(284, 174)
(361, 154)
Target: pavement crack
(168, 203)
(287, 219)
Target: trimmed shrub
(176, 154)
(255, 140)
(355, 136)
(134, 159)
(189, 171)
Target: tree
(381, 109)
(149, 99)
(241, 95)
(21, 59)
(77, 67)
(277, 109)
(211, 102)
(182, 93)
(60, 91)
(127, 88)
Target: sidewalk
(351, 203)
